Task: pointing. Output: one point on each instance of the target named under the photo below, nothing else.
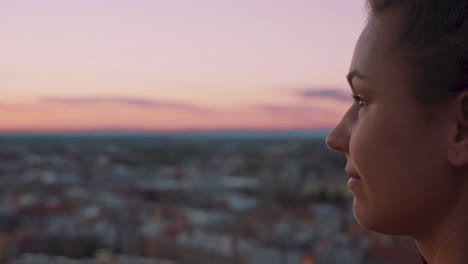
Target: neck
(447, 240)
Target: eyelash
(358, 100)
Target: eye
(361, 102)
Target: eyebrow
(352, 74)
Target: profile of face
(399, 156)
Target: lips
(354, 180)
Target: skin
(412, 169)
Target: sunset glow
(175, 65)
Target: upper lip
(352, 173)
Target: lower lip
(353, 182)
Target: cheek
(400, 168)
(386, 140)
(374, 142)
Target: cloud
(327, 93)
(132, 102)
(15, 106)
(292, 110)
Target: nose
(338, 139)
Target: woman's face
(400, 157)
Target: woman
(406, 136)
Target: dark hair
(435, 39)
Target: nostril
(335, 144)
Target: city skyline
(175, 65)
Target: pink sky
(175, 64)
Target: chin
(377, 222)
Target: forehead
(377, 54)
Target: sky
(175, 64)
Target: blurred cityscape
(114, 198)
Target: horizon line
(225, 133)
(117, 130)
